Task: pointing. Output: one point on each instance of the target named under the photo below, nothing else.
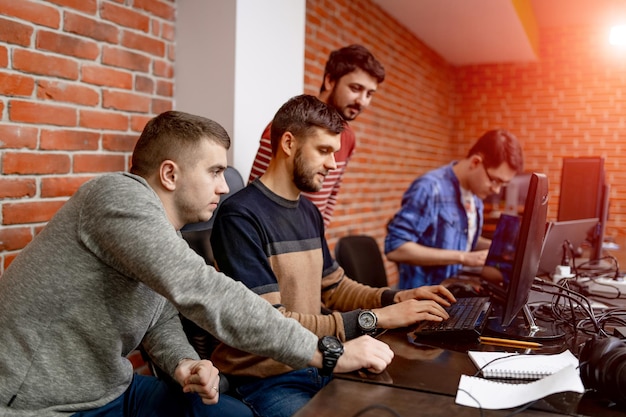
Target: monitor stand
(523, 327)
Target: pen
(508, 342)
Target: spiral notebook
(506, 365)
(492, 395)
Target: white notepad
(494, 395)
(519, 366)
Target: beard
(343, 111)
(303, 177)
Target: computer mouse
(463, 290)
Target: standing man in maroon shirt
(351, 78)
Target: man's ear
(168, 174)
(328, 84)
(288, 143)
(475, 160)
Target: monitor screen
(582, 182)
(516, 249)
(598, 238)
(576, 232)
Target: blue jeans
(282, 395)
(151, 397)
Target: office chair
(198, 235)
(360, 257)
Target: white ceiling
(485, 31)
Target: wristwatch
(331, 349)
(367, 321)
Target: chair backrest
(360, 257)
(198, 235)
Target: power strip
(606, 286)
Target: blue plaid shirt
(432, 214)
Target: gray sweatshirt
(108, 271)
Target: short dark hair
(301, 115)
(498, 146)
(174, 135)
(349, 58)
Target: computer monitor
(515, 193)
(576, 232)
(517, 266)
(598, 238)
(582, 182)
(584, 195)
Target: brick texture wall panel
(160, 8)
(15, 32)
(121, 100)
(86, 6)
(125, 17)
(68, 140)
(109, 77)
(143, 43)
(4, 56)
(42, 113)
(14, 238)
(16, 84)
(91, 28)
(79, 79)
(95, 119)
(45, 64)
(123, 58)
(67, 45)
(32, 11)
(119, 143)
(29, 163)
(17, 137)
(52, 187)
(29, 212)
(98, 163)
(17, 187)
(79, 94)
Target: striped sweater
(276, 247)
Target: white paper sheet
(494, 395)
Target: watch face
(332, 344)
(367, 320)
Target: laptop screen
(499, 263)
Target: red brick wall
(78, 81)
(569, 103)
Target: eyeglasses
(495, 182)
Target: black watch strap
(331, 348)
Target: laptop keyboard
(468, 317)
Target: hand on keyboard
(409, 312)
(438, 293)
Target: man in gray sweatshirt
(110, 272)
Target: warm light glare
(618, 35)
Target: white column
(237, 61)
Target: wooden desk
(423, 380)
(345, 398)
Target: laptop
(559, 233)
(469, 315)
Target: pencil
(508, 342)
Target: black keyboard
(468, 317)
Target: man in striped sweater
(270, 239)
(351, 78)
